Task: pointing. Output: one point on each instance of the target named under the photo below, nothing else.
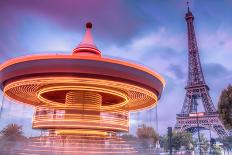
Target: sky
(152, 33)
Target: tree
(179, 139)
(147, 135)
(216, 150)
(147, 132)
(204, 143)
(227, 142)
(164, 142)
(10, 136)
(12, 132)
(182, 139)
(225, 107)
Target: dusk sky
(152, 33)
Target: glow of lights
(81, 132)
(81, 88)
(196, 114)
(82, 49)
(27, 90)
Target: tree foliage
(216, 150)
(225, 107)
(204, 143)
(12, 132)
(179, 139)
(227, 142)
(147, 137)
(147, 132)
(182, 139)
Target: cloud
(216, 46)
(215, 70)
(177, 71)
(113, 20)
(159, 38)
(151, 49)
(217, 77)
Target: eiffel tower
(190, 119)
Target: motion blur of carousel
(81, 101)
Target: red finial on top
(89, 25)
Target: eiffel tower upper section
(196, 87)
(195, 74)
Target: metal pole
(210, 139)
(3, 100)
(170, 139)
(156, 124)
(157, 128)
(198, 131)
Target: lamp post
(1, 109)
(198, 130)
(170, 139)
(210, 139)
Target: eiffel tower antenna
(190, 119)
(188, 5)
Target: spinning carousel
(81, 100)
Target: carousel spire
(87, 45)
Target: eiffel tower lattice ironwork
(189, 119)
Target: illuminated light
(28, 89)
(79, 110)
(81, 88)
(86, 147)
(84, 49)
(196, 114)
(77, 126)
(77, 144)
(82, 132)
(109, 60)
(99, 119)
(95, 152)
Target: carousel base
(76, 145)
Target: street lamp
(198, 130)
(170, 139)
